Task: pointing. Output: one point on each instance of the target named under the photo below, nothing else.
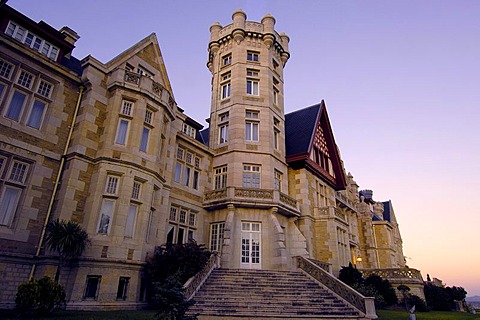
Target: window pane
(255, 131)
(144, 141)
(130, 224)
(92, 287)
(8, 205)
(195, 179)
(16, 105)
(18, 172)
(105, 216)
(122, 132)
(186, 176)
(178, 171)
(36, 114)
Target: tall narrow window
(148, 116)
(122, 131)
(225, 85)
(221, 177)
(11, 189)
(216, 236)
(223, 128)
(178, 171)
(106, 213)
(144, 140)
(251, 126)
(16, 106)
(131, 219)
(91, 287)
(275, 96)
(122, 288)
(252, 87)
(136, 190)
(36, 114)
(8, 204)
(251, 176)
(278, 180)
(276, 133)
(196, 175)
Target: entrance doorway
(251, 244)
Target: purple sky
(401, 80)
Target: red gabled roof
(301, 129)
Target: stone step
(267, 294)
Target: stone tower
(250, 182)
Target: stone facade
(110, 149)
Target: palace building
(105, 144)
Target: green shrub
(42, 296)
(168, 298)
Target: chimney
(70, 35)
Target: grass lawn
(85, 315)
(432, 315)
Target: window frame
(122, 139)
(97, 287)
(220, 177)
(251, 176)
(253, 56)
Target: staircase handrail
(366, 305)
(194, 283)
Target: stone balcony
(397, 276)
(251, 197)
(142, 85)
(344, 202)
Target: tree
(383, 288)
(68, 239)
(350, 275)
(405, 291)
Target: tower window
(252, 56)
(226, 60)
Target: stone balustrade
(194, 283)
(262, 197)
(365, 305)
(395, 273)
(345, 201)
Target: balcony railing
(266, 197)
(143, 84)
(344, 201)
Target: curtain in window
(144, 141)
(8, 205)
(122, 132)
(16, 105)
(129, 225)
(36, 115)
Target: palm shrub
(67, 239)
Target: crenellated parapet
(253, 32)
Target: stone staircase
(267, 294)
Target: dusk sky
(401, 81)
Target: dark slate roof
(376, 218)
(73, 64)
(299, 129)
(387, 205)
(204, 136)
